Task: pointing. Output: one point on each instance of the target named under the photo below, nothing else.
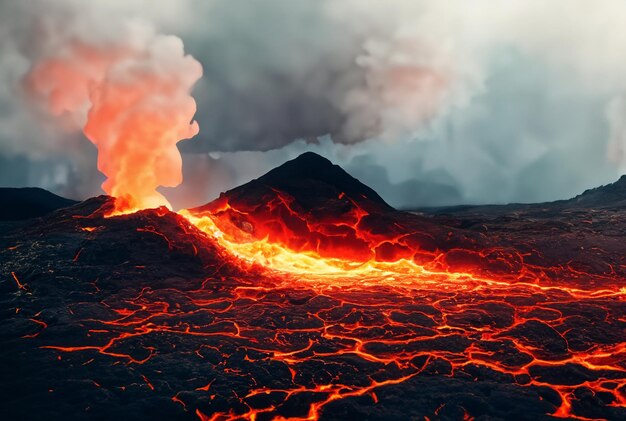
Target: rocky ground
(143, 316)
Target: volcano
(310, 205)
(303, 295)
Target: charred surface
(144, 316)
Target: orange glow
(138, 115)
(20, 286)
(345, 253)
(281, 258)
(402, 318)
(132, 100)
(351, 248)
(403, 273)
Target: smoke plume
(476, 101)
(128, 91)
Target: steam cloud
(616, 115)
(430, 102)
(132, 96)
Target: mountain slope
(312, 181)
(310, 205)
(31, 202)
(610, 196)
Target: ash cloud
(277, 71)
(472, 102)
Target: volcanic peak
(312, 181)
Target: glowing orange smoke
(132, 99)
(139, 113)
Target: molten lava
(313, 299)
(316, 252)
(359, 244)
(310, 217)
(327, 225)
(336, 265)
(280, 333)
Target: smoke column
(131, 95)
(468, 97)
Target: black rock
(312, 181)
(30, 202)
(611, 195)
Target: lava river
(350, 310)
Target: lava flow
(302, 295)
(380, 319)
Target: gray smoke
(430, 102)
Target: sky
(428, 102)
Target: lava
(368, 338)
(346, 253)
(398, 317)
(259, 311)
(320, 261)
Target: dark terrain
(144, 316)
(30, 202)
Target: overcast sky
(428, 102)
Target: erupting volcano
(303, 295)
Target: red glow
(133, 102)
(397, 320)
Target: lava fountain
(133, 101)
(139, 113)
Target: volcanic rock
(612, 195)
(25, 203)
(145, 317)
(312, 182)
(309, 204)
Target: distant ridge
(29, 202)
(609, 196)
(613, 194)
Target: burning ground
(303, 295)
